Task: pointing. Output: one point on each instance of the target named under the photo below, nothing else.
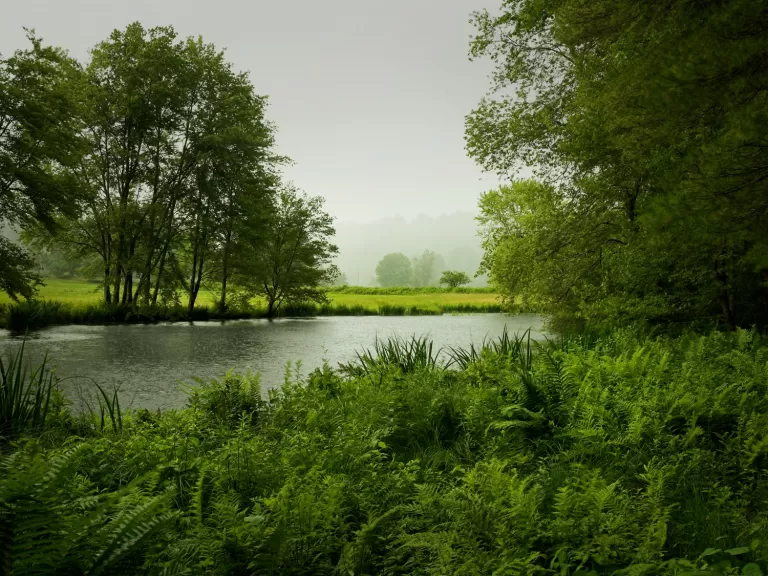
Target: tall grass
(32, 315)
(25, 395)
(516, 347)
(406, 354)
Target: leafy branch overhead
(642, 124)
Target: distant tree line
(644, 125)
(154, 164)
(427, 269)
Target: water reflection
(148, 362)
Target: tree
(394, 270)
(178, 174)
(642, 124)
(454, 278)
(295, 258)
(425, 268)
(235, 181)
(39, 145)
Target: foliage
(394, 270)
(404, 355)
(642, 124)
(621, 454)
(53, 523)
(228, 401)
(39, 142)
(25, 395)
(169, 152)
(454, 278)
(296, 257)
(425, 267)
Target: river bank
(76, 302)
(147, 362)
(617, 455)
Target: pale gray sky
(369, 97)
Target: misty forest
(204, 371)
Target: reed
(25, 395)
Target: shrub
(228, 400)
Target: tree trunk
(725, 298)
(225, 272)
(107, 292)
(191, 295)
(223, 301)
(160, 269)
(116, 295)
(128, 289)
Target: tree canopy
(394, 270)
(39, 144)
(642, 124)
(153, 163)
(454, 278)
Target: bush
(230, 400)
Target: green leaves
(570, 458)
(645, 121)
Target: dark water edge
(24, 316)
(149, 362)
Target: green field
(78, 292)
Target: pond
(148, 363)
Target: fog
(369, 98)
(369, 102)
(452, 236)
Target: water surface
(148, 362)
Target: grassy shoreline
(73, 302)
(39, 314)
(621, 455)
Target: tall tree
(235, 180)
(295, 259)
(394, 270)
(643, 123)
(39, 145)
(179, 169)
(425, 269)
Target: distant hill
(453, 236)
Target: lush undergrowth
(40, 313)
(618, 455)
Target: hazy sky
(369, 97)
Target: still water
(148, 363)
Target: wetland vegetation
(630, 138)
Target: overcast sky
(369, 97)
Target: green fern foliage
(621, 454)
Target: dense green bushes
(618, 455)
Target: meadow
(625, 454)
(78, 302)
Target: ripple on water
(148, 362)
